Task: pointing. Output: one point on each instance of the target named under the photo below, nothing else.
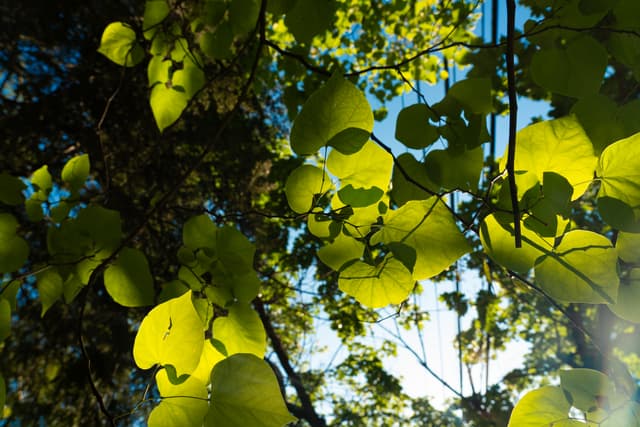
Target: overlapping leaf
(171, 334)
(429, 228)
(338, 114)
(245, 392)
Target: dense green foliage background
(187, 187)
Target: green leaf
(626, 307)
(71, 287)
(190, 78)
(589, 391)
(241, 331)
(243, 15)
(403, 190)
(245, 392)
(413, 128)
(473, 94)
(455, 169)
(627, 415)
(582, 268)
(367, 169)
(338, 114)
(303, 185)
(575, 70)
(50, 288)
(11, 190)
(217, 44)
(309, 18)
(158, 70)
(429, 228)
(359, 197)
(619, 174)
(546, 406)
(171, 334)
(199, 232)
(76, 171)
(14, 250)
(33, 208)
(377, 286)
(183, 405)
(128, 280)
(167, 105)
(5, 320)
(101, 225)
(548, 212)
(628, 245)
(234, 250)
(340, 251)
(498, 242)
(42, 178)
(600, 118)
(119, 44)
(208, 359)
(155, 11)
(559, 146)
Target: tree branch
(306, 411)
(513, 117)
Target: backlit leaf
(413, 128)
(245, 392)
(342, 249)
(338, 114)
(50, 288)
(243, 15)
(167, 104)
(42, 178)
(626, 307)
(582, 268)
(241, 331)
(309, 18)
(128, 280)
(498, 242)
(171, 334)
(429, 228)
(302, 186)
(13, 248)
(628, 245)
(402, 189)
(473, 94)
(586, 388)
(377, 286)
(183, 405)
(11, 190)
(619, 174)
(453, 169)
(559, 146)
(119, 44)
(368, 168)
(546, 406)
(575, 70)
(76, 171)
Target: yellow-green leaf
(128, 280)
(582, 268)
(559, 146)
(619, 174)
(245, 392)
(183, 404)
(50, 288)
(303, 185)
(428, 227)
(76, 171)
(338, 114)
(241, 331)
(171, 334)
(119, 44)
(377, 286)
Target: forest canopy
(196, 196)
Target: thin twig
(513, 117)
